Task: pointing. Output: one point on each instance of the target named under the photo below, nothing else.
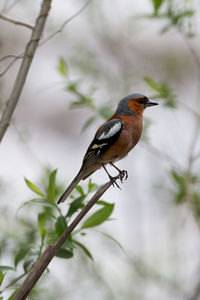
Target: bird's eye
(142, 100)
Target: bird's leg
(112, 179)
(123, 173)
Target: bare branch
(50, 36)
(7, 6)
(7, 56)
(21, 55)
(15, 22)
(65, 23)
(51, 250)
(24, 68)
(15, 280)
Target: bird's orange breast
(128, 138)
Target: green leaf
(196, 201)
(163, 91)
(157, 4)
(99, 216)
(176, 18)
(111, 238)
(72, 87)
(51, 188)
(24, 249)
(167, 93)
(68, 244)
(194, 179)
(52, 237)
(92, 186)
(6, 268)
(180, 181)
(101, 202)
(13, 294)
(42, 225)
(2, 275)
(62, 67)
(60, 225)
(84, 249)
(80, 190)
(64, 253)
(75, 205)
(33, 188)
(152, 84)
(39, 201)
(82, 100)
(27, 264)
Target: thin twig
(24, 68)
(7, 56)
(8, 7)
(15, 280)
(21, 55)
(16, 22)
(51, 250)
(50, 36)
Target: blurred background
(111, 49)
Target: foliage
(183, 182)
(81, 99)
(163, 92)
(162, 89)
(176, 15)
(52, 222)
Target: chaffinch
(114, 139)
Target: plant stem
(24, 68)
(51, 250)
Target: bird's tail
(70, 187)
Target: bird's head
(134, 104)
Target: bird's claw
(123, 175)
(113, 181)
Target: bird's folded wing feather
(105, 136)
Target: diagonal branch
(76, 14)
(50, 36)
(15, 22)
(51, 250)
(24, 68)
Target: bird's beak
(150, 103)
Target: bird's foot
(123, 175)
(113, 181)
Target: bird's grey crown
(123, 108)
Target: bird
(113, 140)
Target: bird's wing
(105, 136)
